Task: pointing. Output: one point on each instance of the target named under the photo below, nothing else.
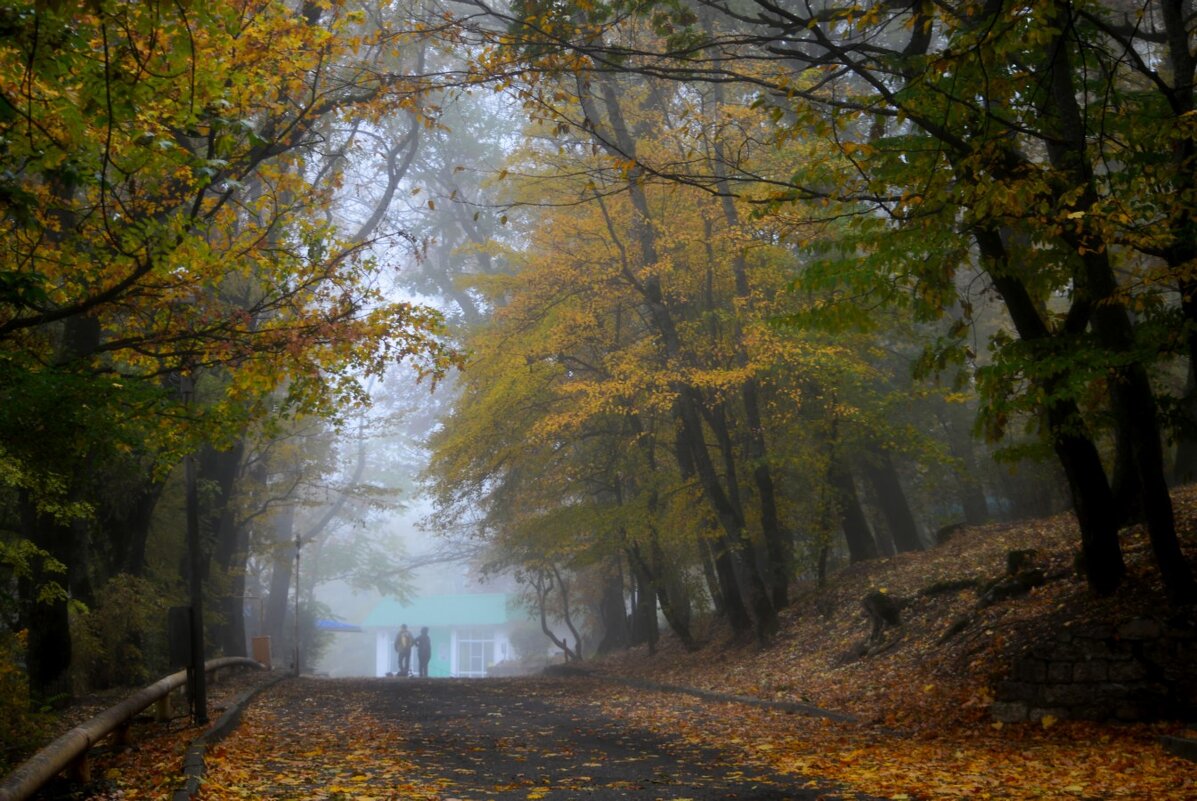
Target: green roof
(478, 609)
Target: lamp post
(298, 545)
(199, 690)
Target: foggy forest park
(830, 359)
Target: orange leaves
(944, 766)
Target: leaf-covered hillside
(936, 671)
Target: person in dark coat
(424, 651)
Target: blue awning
(336, 625)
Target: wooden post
(162, 710)
(124, 734)
(80, 769)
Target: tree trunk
(612, 610)
(707, 557)
(220, 469)
(1092, 500)
(968, 486)
(644, 603)
(779, 547)
(883, 476)
(1124, 481)
(861, 545)
(672, 595)
(1182, 252)
(725, 572)
(566, 614)
(48, 658)
(129, 528)
(543, 584)
(282, 566)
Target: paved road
(507, 739)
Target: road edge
(194, 763)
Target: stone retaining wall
(1141, 669)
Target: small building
(469, 632)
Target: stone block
(1127, 671)
(1181, 631)
(1039, 713)
(1180, 746)
(1059, 672)
(1093, 631)
(1140, 629)
(1009, 711)
(1067, 694)
(1033, 670)
(1101, 649)
(1128, 711)
(1016, 691)
(1044, 651)
(1090, 712)
(1096, 670)
(1067, 652)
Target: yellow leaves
(855, 149)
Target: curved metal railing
(73, 746)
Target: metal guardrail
(72, 747)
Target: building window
(475, 652)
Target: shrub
(122, 641)
(24, 728)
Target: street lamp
(199, 690)
(298, 545)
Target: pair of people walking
(404, 642)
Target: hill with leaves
(935, 670)
(928, 683)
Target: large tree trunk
(220, 470)
(48, 659)
(861, 545)
(612, 610)
(49, 645)
(1092, 499)
(883, 476)
(672, 595)
(128, 528)
(644, 603)
(718, 548)
(1181, 253)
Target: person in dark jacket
(424, 651)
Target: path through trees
(473, 739)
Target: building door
(475, 652)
